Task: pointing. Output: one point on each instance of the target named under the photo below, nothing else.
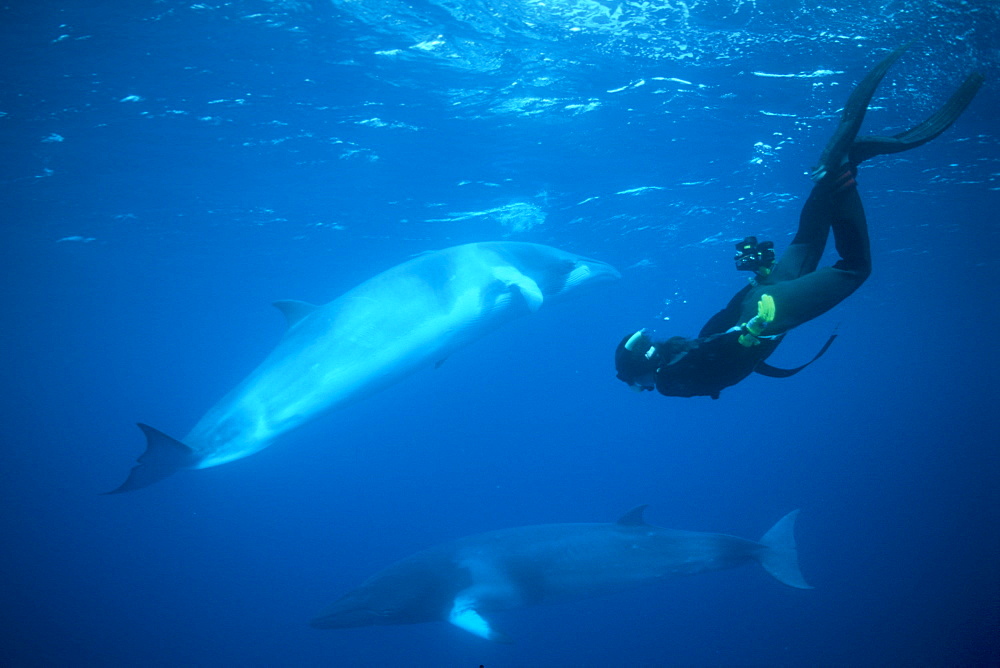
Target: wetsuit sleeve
(727, 317)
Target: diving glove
(757, 324)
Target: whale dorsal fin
(633, 518)
(295, 310)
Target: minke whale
(409, 317)
(460, 581)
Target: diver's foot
(844, 180)
(836, 153)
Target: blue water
(171, 168)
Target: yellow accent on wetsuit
(758, 323)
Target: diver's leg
(834, 172)
(799, 295)
(802, 292)
(815, 220)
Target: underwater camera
(754, 256)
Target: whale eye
(560, 276)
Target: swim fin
(870, 146)
(846, 148)
(835, 155)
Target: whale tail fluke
(780, 558)
(163, 457)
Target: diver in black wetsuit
(736, 340)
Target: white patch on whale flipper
(528, 288)
(491, 589)
(464, 615)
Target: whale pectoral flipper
(525, 285)
(163, 457)
(781, 558)
(464, 615)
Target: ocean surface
(171, 168)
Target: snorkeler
(736, 340)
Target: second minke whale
(461, 580)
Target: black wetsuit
(801, 292)
(716, 359)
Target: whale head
(409, 592)
(554, 273)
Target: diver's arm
(728, 316)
